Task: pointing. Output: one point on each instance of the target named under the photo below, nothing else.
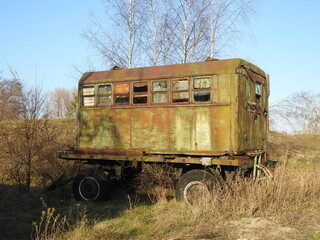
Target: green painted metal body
(228, 128)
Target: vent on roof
(208, 59)
(116, 68)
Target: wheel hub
(195, 192)
(89, 188)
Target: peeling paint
(221, 114)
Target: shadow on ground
(20, 208)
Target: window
(179, 97)
(202, 82)
(88, 96)
(202, 89)
(122, 94)
(180, 85)
(105, 95)
(202, 96)
(258, 93)
(140, 93)
(180, 91)
(159, 91)
(258, 89)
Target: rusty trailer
(204, 119)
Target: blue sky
(42, 40)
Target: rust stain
(224, 115)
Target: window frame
(115, 94)
(258, 95)
(105, 95)
(82, 96)
(173, 91)
(202, 90)
(167, 91)
(140, 93)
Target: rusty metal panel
(105, 129)
(228, 124)
(181, 129)
(190, 129)
(167, 71)
(150, 129)
(221, 128)
(252, 115)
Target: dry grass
(285, 208)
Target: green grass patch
(315, 235)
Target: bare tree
(300, 112)
(158, 33)
(166, 31)
(61, 102)
(11, 106)
(152, 29)
(26, 140)
(187, 27)
(166, 40)
(225, 17)
(119, 43)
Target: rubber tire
(202, 179)
(95, 182)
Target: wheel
(196, 185)
(91, 185)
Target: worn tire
(196, 186)
(91, 185)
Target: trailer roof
(169, 71)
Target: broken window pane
(203, 96)
(105, 89)
(159, 86)
(160, 97)
(87, 90)
(88, 101)
(105, 100)
(204, 82)
(140, 87)
(179, 97)
(122, 99)
(180, 85)
(140, 99)
(122, 88)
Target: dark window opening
(140, 87)
(140, 99)
(202, 96)
(122, 99)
